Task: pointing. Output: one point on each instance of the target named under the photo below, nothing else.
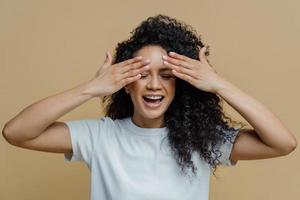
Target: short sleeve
(227, 145)
(84, 136)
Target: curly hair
(194, 115)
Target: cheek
(171, 87)
(132, 85)
(136, 89)
(137, 86)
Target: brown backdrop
(50, 46)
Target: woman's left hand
(197, 72)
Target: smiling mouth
(153, 102)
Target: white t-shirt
(128, 162)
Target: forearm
(34, 119)
(268, 127)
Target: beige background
(50, 46)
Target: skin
(157, 80)
(269, 138)
(36, 127)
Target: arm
(35, 126)
(270, 138)
(36, 123)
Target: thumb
(202, 53)
(106, 63)
(108, 59)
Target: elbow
(294, 145)
(6, 134)
(291, 147)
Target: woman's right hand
(111, 78)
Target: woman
(163, 117)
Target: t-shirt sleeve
(84, 136)
(226, 146)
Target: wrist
(223, 86)
(87, 89)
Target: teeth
(154, 97)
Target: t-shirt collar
(144, 131)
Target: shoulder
(107, 124)
(91, 124)
(108, 121)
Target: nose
(154, 83)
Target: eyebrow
(165, 69)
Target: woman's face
(154, 91)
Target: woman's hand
(197, 72)
(111, 78)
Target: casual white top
(128, 162)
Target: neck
(148, 123)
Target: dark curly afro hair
(194, 115)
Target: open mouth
(153, 101)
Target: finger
(182, 70)
(129, 61)
(185, 77)
(108, 59)
(129, 80)
(177, 62)
(107, 62)
(134, 66)
(202, 54)
(134, 72)
(180, 57)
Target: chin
(150, 115)
(154, 111)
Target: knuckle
(126, 62)
(115, 65)
(130, 66)
(142, 69)
(123, 82)
(136, 58)
(123, 69)
(134, 65)
(131, 73)
(126, 74)
(127, 81)
(115, 79)
(113, 70)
